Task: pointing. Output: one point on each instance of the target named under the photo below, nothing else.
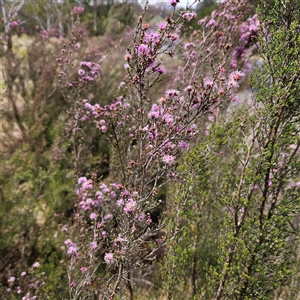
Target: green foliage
(238, 204)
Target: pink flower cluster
(230, 17)
(15, 24)
(44, 34)
(189, 16)
(248, 32)
(92, 200)
(88, 71)
(174, 2)
(234, 78)
(72, 248)
(77, 10)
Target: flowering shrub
(147, 136)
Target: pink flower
(87, 185)
(155, 111)
(88, 106)
(201, 22)
(189, 45)
(234, 77)
(173, 3)
(81, 72)
(81, 180)
(72, 284)
(143, 49)
(44, 34)
(189, 16)
(93, 216)
(83, 269)
(168, 119)
(182, 145)
(160, 70)
(234, 98)
(64, 228)
(27, 297)
(109, 258)
(173, 36)
(128, 56)
(232, 83)
(72, 250)
(11, 279)
(211, 22)
(94, 244)
(208, 82)
(152, 37)
(108, 217)
(68, 242)
(162, 25)
(130, 206)
(168, 159)
(77, 10)
(172, 93)
(23, 274)
(120, 202)
(36, 264)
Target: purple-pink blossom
(189, 16)
(81, 180)
(162, 25)
(173, 2)
(168, 159)
(94, 245)
(109, 258)
(11, 279)
(160, 69)
(93, 216)
(143, 49)
(211, 22)
(77, 10)
(108, 217)
(155, 112)
(128, 56)
(208, 82)
(81, 72)
(130, 206)
(182, 145)
(173, 36)
(168, 119)
(152, 37)
(172, 93)
(64, 228)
